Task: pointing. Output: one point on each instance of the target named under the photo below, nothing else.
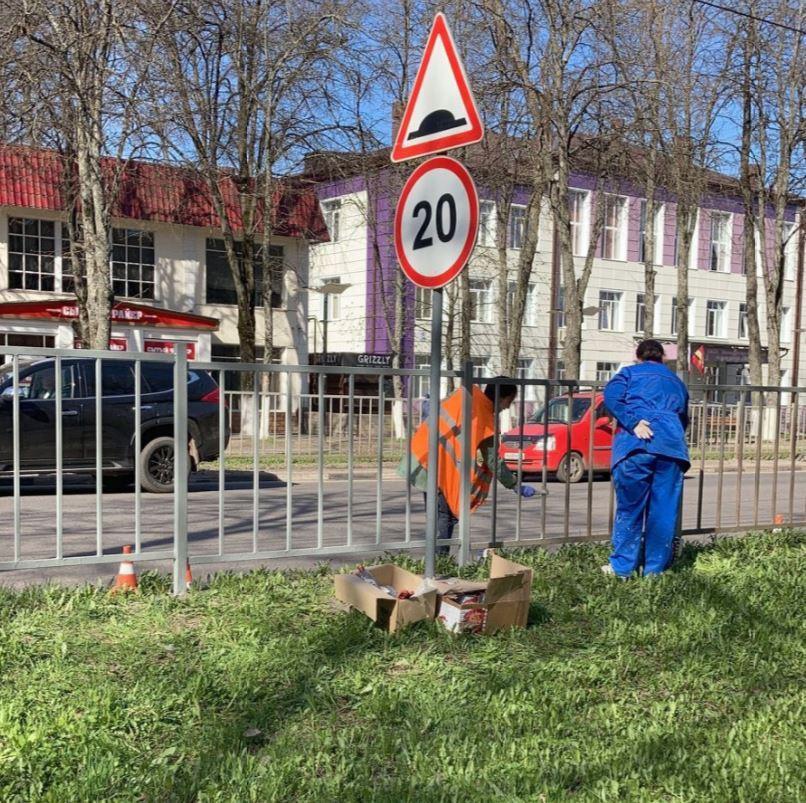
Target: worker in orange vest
(482, 433)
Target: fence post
(180, 470)
(463, 557)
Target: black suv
(37, 396)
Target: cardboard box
(386, 611)
(505, 604)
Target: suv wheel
(571, 468)
(157, 466)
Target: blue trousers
(648, 489)
(446, 522)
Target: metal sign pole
(433, 432)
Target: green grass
(686, 687)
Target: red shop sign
(167, 347)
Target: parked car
(567, 460)
(37, 405)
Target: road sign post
(435, 395)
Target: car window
(558, 410)
(117, 378)
(41, 384)
(158, 376)
(602, 411)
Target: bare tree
(773, 79)
(238, 84)
(77, 81)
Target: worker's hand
(526, 491)
(643, 431)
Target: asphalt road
(538, 518)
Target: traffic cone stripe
(126, 577)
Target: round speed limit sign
(436, 222)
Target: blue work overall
(647, 474)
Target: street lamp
(327, 289)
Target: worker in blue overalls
(650, 457)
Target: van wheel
(157, 466)
(571, 468)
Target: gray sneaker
(610, 572)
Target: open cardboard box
(507, 595)
(386, 611)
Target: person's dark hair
(649, 351)
(505, 389)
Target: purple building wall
(381, 262)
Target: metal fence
(301, 475)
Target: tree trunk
(686, 221)
(649, 249)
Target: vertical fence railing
(745, 431)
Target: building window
(526, 370)
(786, 325)
(481, 366)
(331, 211)
(609, 310)
(789, 244)
(560, 370)
(517, 226)
(422, 303)
(673, 324)
(30, 341)
(658, 233)
(614, 239)
(559, 308)
(743, 321)
(529, 308)
(694, 247)
(219, 285)
(132, 263)
(719, 254)
(605, 371)
(640, 312)
(578, 215)
(481, 303)
(715, 318)
(31, 254)
(487, 223)
(420, 385)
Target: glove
(526, 491)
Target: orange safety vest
(449, 476)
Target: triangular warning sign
(441, 112)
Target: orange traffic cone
(126, 579)
(188, 576)
(778, 519)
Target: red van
(568, 461)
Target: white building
(360, 254)
(169, 273)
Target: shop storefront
(135, 327)
(365, 384)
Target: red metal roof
(124, 312)
(31, 177)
